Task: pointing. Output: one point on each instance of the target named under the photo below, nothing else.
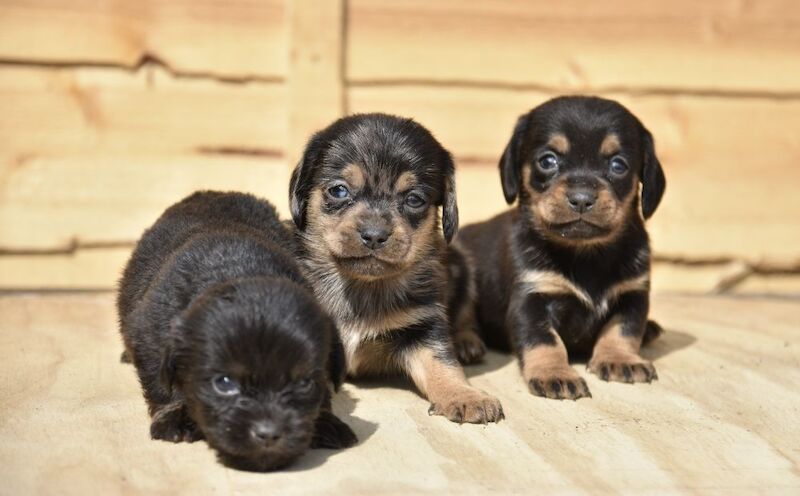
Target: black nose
(374, 237)
(265, 432)
(581, 200)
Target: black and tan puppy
(568, 271)
(365, 199)
(228, 341)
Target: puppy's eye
(304, 386)
(414, 201)
(548, 162)
(618, 166)
(339, 191)
(225, 386)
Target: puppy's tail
(651, 332)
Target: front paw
(560, 385)
(623, 369)
(172, 423)
(468, 405)
(469, 347)
(332, 433)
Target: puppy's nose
(374, 236)
(265, 432)
(581, 200)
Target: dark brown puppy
(227, 339)
(365, 199)
(568, 271)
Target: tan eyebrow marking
(405, 182)
(559, 143)
(354, 175)
(610, 145)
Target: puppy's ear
(337, 365)
(511, 161)
(653, 180)
(300, 185)
(168, 373)
(449, 205)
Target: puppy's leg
(441, 379)
(461, 291)
(543, 356)
(330, 432)
(171, 422)
(616, 352)
(469, 347)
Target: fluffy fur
(567, 272)
(229, 343)
(365, 199)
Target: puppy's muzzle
(374, 234)
(266, 432)
(581, 199)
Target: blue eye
(414, 201)
(618, 166)
(304, 386)
(225, 386)
(548, 162)
(339, 191)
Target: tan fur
(355, 176)
(405, 182)
(546, 360)
(549, 282)
(447, 389)
(559, 143)
(610, 145)
(614, 353)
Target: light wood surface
(720, 420)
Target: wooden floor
(723, 418)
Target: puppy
(229, 343)
(365, 199)
(568, 271)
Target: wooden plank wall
(112, 111)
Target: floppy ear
(300, 185)
(511, 161)
(653, 180)
(337, 364)
(449, 205)
(168, 372)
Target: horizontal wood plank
(63, 111)
(720, 45)
(731, 164)
(50, 202)
(232, 38)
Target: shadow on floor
(343, 406)
(669, 342)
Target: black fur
(518, 242)
(212, 291)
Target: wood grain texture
(49, 202)
(234, 38)
(316, 83)
(70, 111)
(720, 45)
(730, 163)
(718, 421)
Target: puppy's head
(367, 191)
(575, 163)
(250, 360)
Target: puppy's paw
(469, 405)
(563, 384)
(628, 369)
(332, 433)
(172, 423)
(469, 347)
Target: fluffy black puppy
(366, 199)
(228, 342)
(569, 269)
